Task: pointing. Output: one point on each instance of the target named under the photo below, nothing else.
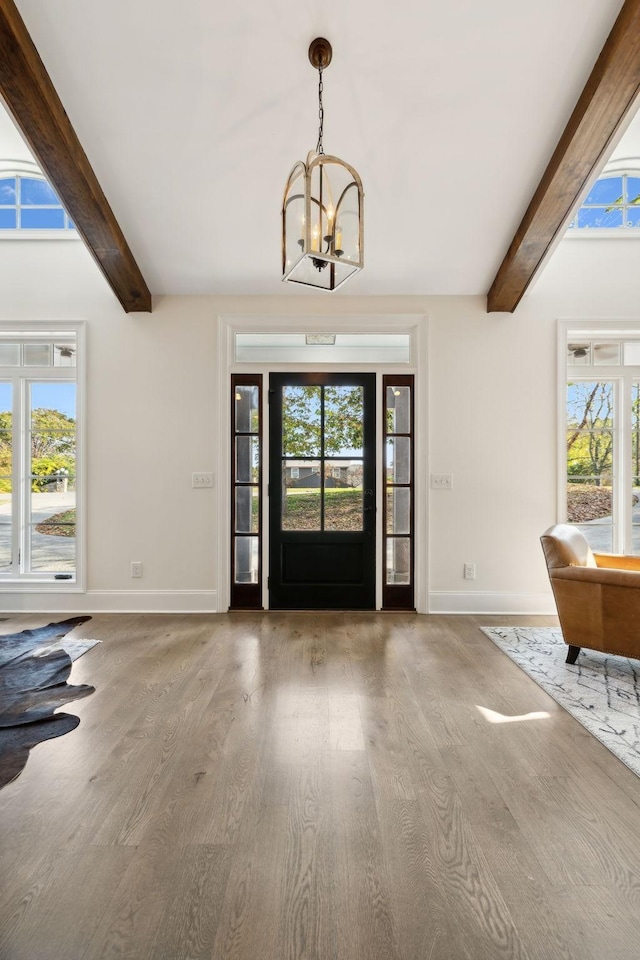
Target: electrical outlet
(441, 481)
(469, 571)
(201, 480)
(136, 568)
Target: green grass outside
(59, 525)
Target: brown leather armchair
(597, 594)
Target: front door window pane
(343, 420)
(301, 421)
(343, 495)
(302, 496)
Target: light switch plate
(201, 480)
(441, 481)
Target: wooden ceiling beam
(32, 101)
(608, 97)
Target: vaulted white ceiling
(193, 113)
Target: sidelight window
(246, 492)
(398, 504)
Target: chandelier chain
(319, 147)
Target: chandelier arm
(348, 187)
(323, 206)
(294, 196)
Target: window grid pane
(30, 203)
(590, 453)
(613, 202)
(8, 192)
(322, 466)
(52, 446)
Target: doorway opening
(265, 480)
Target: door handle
(369, 510)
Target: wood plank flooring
(316, 787)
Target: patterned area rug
(601, 691)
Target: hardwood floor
(319, 786)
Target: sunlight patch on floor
(492, 717)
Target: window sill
(600, 233)
(39, 235)
(39, 585)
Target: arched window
(30, 203)
(613, 202)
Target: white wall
(492, 382)
(152, 421)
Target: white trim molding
(491, 602)
(414, 324)
(113, 601)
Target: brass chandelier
(322, 209)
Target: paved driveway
(48, 552)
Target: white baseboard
(206, 601)
(112, 601)
(485, 601)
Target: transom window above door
(323, 347)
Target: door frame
(228, 326)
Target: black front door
(322, 491)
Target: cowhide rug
(34, 669)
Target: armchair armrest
(607, 576)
